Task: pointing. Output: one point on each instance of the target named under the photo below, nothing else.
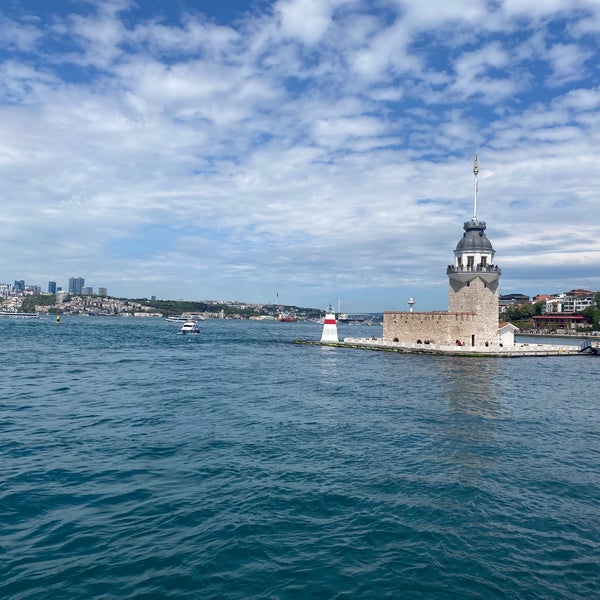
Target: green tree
(30, 303)
(592, 313)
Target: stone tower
(472, 315)
(473, 278)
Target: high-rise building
(52, 287)
(102, 291)
(19, 285)
(76, 285)
(87, 291)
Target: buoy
(329, 327)
(58, 318)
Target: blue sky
(315, 149)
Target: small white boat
(190, 327)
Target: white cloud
(18, 36)
(305, 20)
(535, 10)
(567, 61)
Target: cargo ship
(287, 317)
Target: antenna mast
(475, 172)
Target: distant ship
(13, 314)
(287, 317)
(185, 317)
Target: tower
(473, 278)
(472, 316)
(329, 333)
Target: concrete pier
(518, 350)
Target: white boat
(183, 318)
(190, 327)
(13, 314)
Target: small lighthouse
(329, 327)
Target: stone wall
(439, 327)
(480, 297)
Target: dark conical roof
(474, 238)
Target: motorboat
(190, 327)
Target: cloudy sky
(314, 149)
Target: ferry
(184, 318)
(13, 314)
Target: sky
(300, 151)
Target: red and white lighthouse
(329, 327)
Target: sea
(139, 463)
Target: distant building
(559, 321)
(19, 285)
(87, 291)
(102, 291)
(575, 301)
(52, 287)
(76, 285)
(514, 300)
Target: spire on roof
(475, 172)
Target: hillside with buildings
(575, 310)
(96, 305)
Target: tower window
(470, 262)
(483, 261)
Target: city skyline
(300, 149)
(554, 298)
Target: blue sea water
(138, 463)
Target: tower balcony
(488, 273)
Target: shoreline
(576, 336)
(516, 351)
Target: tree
(30, 302)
